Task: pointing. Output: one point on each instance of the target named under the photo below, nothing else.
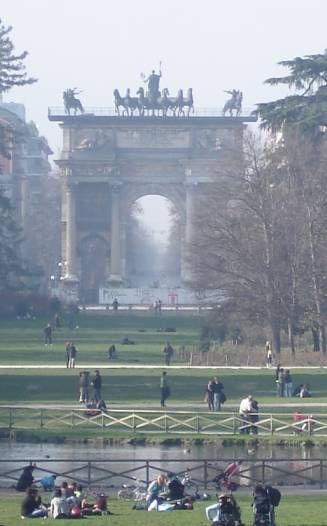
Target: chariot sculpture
(154, 102)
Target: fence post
(89, 473)
(263, 472)
(321, 474)
(198, 423)
(147, 473)
(11, 418)
(234, 424)
(271, 425)
(41, 419)
(205, 474)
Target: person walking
(269, 355)
(164, 389)
(97, 384)
(84, 387)
(72, 355)
(288, 383)
(168, 353)
(218, 389)
(211, 394)
(280, 382)
(254, 416)
(244, 411)
(67, 349)
(47, 331)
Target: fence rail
(150, 421)
(111, 474)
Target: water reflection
(72, 457)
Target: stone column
(70, 233)
(115, 273)
(188, 232)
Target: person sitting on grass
(48, 482)
(59, 507)
(101, 507)
(32, 506)
(305, 391)
(26, 479)
(154, 489)
(175, 488)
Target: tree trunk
(315, 338)
(316, 284)
(291, 336)
(275, 330)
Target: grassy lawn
(293, 511)
(22, 341)
(141, 386)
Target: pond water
(110, 466)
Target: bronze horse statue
(71, 102)
(120, 102)
(234, 103)
(132, 103)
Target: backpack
(274, 495)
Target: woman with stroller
(226, 512)
(265, 498)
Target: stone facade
(107, 163)
(34, 194)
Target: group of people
(227, 512)
(68, 501)
(71, 353)
(215, 395)
(84, 384)
(157, 306)
(284, 385)
(167, 492)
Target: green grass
(293, 511)
(22, 341)
(141, 386)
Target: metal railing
(155, 421)
(108, 473)
(59, 111)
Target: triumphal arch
(111, 158)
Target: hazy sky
(210, 45)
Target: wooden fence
(151, 421)
(111, 474)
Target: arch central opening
(153, 243)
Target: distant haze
(209, 45)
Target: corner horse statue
(71, 102)
(234, 103)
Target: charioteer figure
(153, 82)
